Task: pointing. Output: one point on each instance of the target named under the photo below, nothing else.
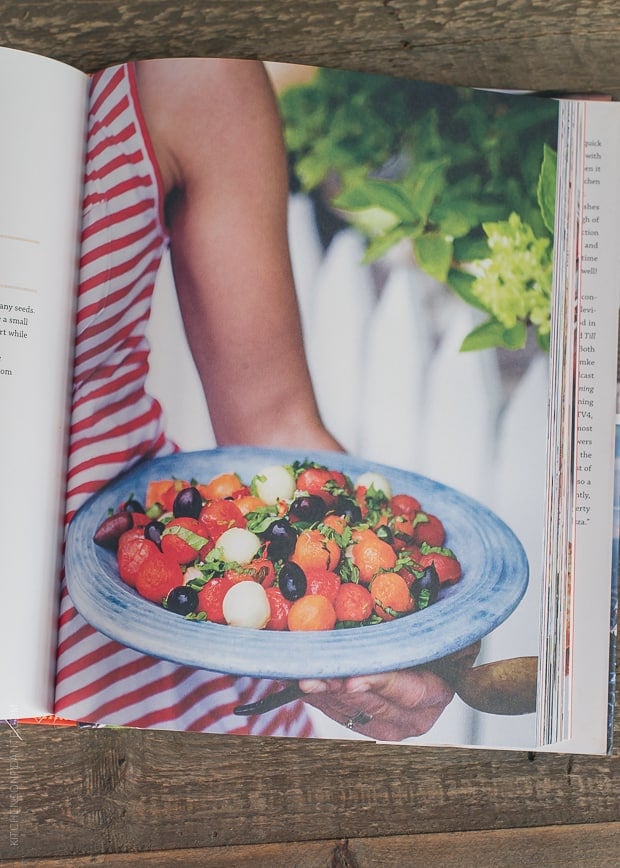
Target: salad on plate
(297, 547)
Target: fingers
(398, 704)
(391, 706)
(408, 688)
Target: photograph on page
(308, 439)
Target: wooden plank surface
(569, 44)
(594, 845)
(163, 798)
(112, 790)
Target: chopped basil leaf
(425, 549)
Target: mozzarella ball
(246, 605)
(239, 545)
(379, 482)
(273, 484)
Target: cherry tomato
(211, 598)
(133, 551)
(353, 603)
(448, 568)
(323, 582)
(183, 538)
(157, 576)
(260, 570)
(404, 504)
(220, 515)
(280, 607)
(430, 531)
(318, 480)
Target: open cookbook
(308, 382)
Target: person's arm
(220, 150)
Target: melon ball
(238, 545)
(274, 483)
(377, 480)
(246, 605)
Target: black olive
(133, 505)
(281, 538)
(153, 531)
(292, 581)
(348, 509)
(187, 503)
(112, 528)
(182, 600)
(426, 589)
(307, 508)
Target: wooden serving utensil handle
(501, 687)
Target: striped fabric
(115, 423)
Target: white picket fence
(393, 387)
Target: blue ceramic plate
(495, 575)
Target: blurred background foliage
(467, 177)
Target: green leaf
(433, 253)
(259, 519)
(196, 616)
(382, 243)
(378, 194)
(493, 333)
(343, 539)
(193, 539)
(427, 549)
(484, 336)
(470, 249)
(515, 337)
(545, 191)
(425, 183)
(453, 223)
(310, 171)
(348, 571)
(462, 284)
(457, 216)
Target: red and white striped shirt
(115, 423)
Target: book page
(41, 164)
(596, 366)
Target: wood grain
(165, 798)
(568, 845)
(112, 790)
(566, 45)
